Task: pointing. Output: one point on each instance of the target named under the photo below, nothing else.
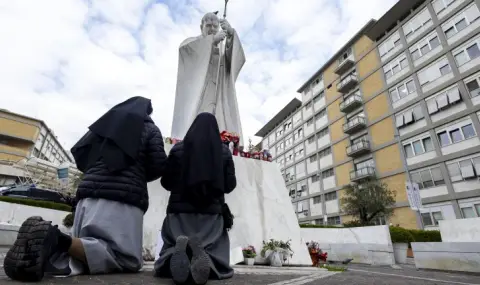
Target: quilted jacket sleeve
(155, 153)
(230, 178)
(171, 175)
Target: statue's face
(210, 26)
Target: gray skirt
(112, 236)
(209, 229)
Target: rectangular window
(468, 213)
(443, 100)
(418, 147)
(473, 85)
(333, 220)
(424, 46)
(313, 158)
(434, 71)
(331, 196)
(318, 97)
(317, 200)
(310, 122)
(322, 133)
(426, 219)
(315, 178)
(389, 44)
(429, 177)
(327, 173)
(456, 134)
(321, 114)
(440, 5)
(465, 169)
(461, 20)
(395, 66)
(417, 23)
(402, 90)
(325, 152)
(311, 139)
(467, 53)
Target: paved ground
(259, 275)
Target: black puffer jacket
(128, 186)
(171, 182)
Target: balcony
(354, 125)
(345, 65)
(347, 83)
(358, 149)
(351, 103)
(362, 173)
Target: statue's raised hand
(220, 36)
(226, 26)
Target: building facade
(400, 101)
(23, 138)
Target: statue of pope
(199, 70)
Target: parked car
(32, 192)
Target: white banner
(413, 194)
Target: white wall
(461, 230)
(372, 235)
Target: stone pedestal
(260, 204)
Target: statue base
(260, 203)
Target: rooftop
(279, 117)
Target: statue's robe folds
(196, 84)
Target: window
(297, 118)
(409, 117)
(456, 134)
(279, 133)
(288, 141)
(468, 213)
(424, 46)
(417, 23)
(298, 134)
(389, 44)
(443, 100)
(402, 90)
(418, 147)
(289, 156)
(434, 71)
(313, 158)
(311, 139)
(308, 105)
(395, 66)
(321, 114)
(322, 133)
(345, 55)
(318, 222)
(331, 196)
(287, 126)
(464, 169)
(429, 177)
(317, 200)
(325, 152)
(333, 220)
(461, 20)
(431, 219)
(280, 146)
(440, 5)
(327, 173)
(467, 53)
(315, 178)
(473, 85)
(299, 152)
(364, 164)
(318, 97)
(310, 122)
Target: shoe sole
(25, 261)
(200, 267)
(179, 263)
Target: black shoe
(200, 262)
(179, 262)
(35, 243)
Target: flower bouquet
(316, 253)
(249, 254)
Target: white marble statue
(198, 67)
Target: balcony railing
(354, 125)
(358, 148)
(351, 103)
(362, 173)
(347, 83)
(344, 65)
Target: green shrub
(400, 235)
(36, 203)
(356, 224)
(426, 236)
(68, 220)
(317, 226)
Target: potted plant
(68, 221)
(249, 254)
(276, 252)
(400, 239)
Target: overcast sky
(67, 62)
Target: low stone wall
(460, 230)
(8, 234)
(367, 245)
(451, 256)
